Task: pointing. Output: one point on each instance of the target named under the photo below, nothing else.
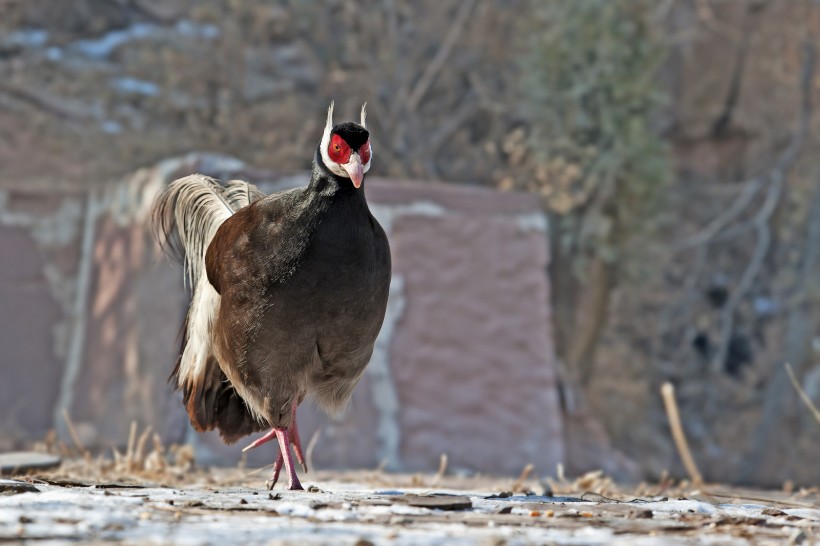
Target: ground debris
(210, 506)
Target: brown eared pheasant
(288, 295)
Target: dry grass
(803, 396)
(146, 460)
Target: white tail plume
(186, 216)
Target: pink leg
(294, 439)
(277, 466)
(284, 449)
(285, 437)
(271, 435)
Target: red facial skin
(364, 152)
(339, 151)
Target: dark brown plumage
(289, 293)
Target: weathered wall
(464, 365)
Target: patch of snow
(136, 86)
(196, 30)
(682, 506)
(102, 47)
(54, 53)
(28, 37)
(534, 221)
(111, 127)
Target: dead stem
(442, 469)
(803, 396)
(671, 405)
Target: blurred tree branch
(776, 179)
(437, 62)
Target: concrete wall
(464, 364)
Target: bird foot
(286, 437)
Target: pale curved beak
(355, 170)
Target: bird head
(345, 148)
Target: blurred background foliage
(673, 143)
(592, 88)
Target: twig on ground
(518, 485)
(766, 500)
(671, 405)
(258, 470)
(803, 396)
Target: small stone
(773, 512)
(437, 502)
(502, 495)
(23, 462)
(506, 510)
(243, 501)
(12, 487)
(314, 489)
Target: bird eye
(337, 147)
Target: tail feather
(190, 210)
(187, 215)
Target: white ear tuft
(329, 122)
(364, 115)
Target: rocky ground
(362, 508)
